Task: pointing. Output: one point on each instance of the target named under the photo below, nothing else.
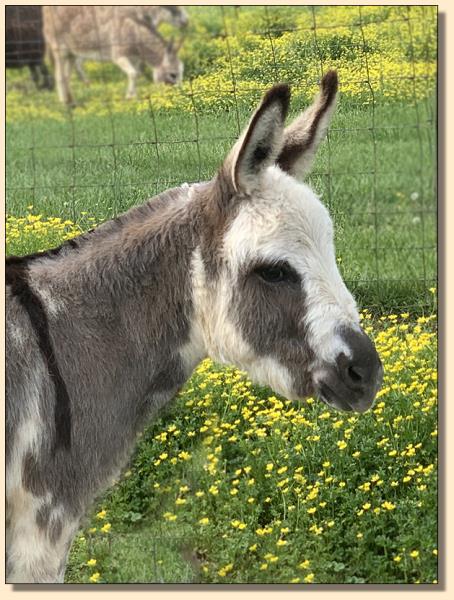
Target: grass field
(233, 484)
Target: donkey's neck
(120, 303)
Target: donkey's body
(104, 330)
(119, 34)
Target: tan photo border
(446, 411)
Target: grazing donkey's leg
(79, 66)
(127, 67)
(39, 537)
(62, 72)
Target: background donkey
(148, 16)
(107, 33)
(104, 330)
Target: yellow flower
(204, 521)
(271, 557)
(305, 564)
(106, 528)
(101, 514)
(95, 577)
(341, 444)
(91, 562)
(224, 570)
(168, 516)
(281, 543)
(414, 553)
(309, 578)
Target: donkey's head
(268, 294)
(170, 70)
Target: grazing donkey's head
(267, 291)
(170, 70)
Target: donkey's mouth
(329, 397)
(359, 403)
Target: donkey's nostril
(354, 374)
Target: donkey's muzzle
(353, 382)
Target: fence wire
(376, 171)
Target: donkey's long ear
(303, 136)
(261, 142)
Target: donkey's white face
(278, 307)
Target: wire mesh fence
(376, 171)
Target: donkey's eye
(277, 273)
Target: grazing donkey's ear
(303, 136)
(261, 142)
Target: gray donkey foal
(104, 330)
